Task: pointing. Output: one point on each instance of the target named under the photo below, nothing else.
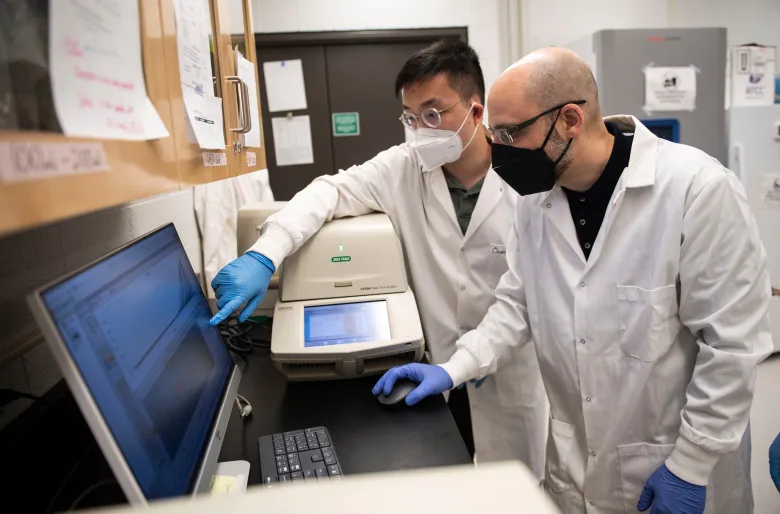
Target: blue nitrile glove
(432, 379)
(243, 281)
(774, 462)
(477, 383)
(669, 494)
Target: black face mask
(528, 171)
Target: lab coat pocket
(637, 462)
(648, 321)
(560, 455)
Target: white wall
(486, 24)
(560, 22)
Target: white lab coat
(648, 349)
(453, 277)
(216, 210)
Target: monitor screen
(345, 323)
(137, 327)
(668, 128)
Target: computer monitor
(154, 381)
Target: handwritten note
(214, 159)
(97, 73)
(21, 161)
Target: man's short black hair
(455, 58)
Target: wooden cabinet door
(31, 141)
(254, 156)
(196, 166)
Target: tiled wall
(33, 258)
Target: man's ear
(574, 117)
(478, 111)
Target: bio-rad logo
(341, 258)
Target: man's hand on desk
(243, 281)
(432, 379)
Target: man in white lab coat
(452, 214)
(636, 265)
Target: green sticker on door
(346, 124)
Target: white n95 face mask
(437, 147)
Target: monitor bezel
(91, 411)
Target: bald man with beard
(636, 266)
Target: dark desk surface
(368, 437)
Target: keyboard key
(292, 455)
(327, 452)
(316, 457)
(283, 469)
(294, 461)
(303, 447)
(268, 479)
(279, 451)
(297, 476)
(314, 446)
(321, 472)
(280, 458)
(309, 474)
(333, 470)
(284, 478)
(295, 467)
(294, 433)
(329, 461)
(291, 448)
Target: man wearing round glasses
(636, 265)
(453, 215)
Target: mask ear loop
(476, 126)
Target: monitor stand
(230, 478)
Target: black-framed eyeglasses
(505, 136)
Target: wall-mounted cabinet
(47, 175)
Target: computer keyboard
(298, 455)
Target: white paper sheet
(284, 85)
(292, 140)
(97, 74)
(670, 89)
(193, 26)
(204, 114)
(246, 72)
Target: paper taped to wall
(292, 140)
(670, 88)
(97, 74)
(284, 85)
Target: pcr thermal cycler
(345, 308)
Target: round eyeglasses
(431, 117)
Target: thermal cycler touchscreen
(345, 323)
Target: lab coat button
(592, 453)
(582, 341)
(582, 284)
(587, 246)
(462, 288)
(592, 504)
(588, 399)
(582, 221)
(549, 206)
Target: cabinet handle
(241, 100)
(247, 109)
